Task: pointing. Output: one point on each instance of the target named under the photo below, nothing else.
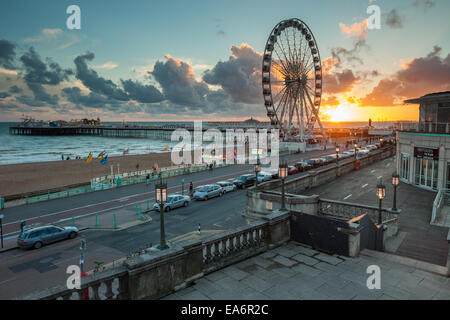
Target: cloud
(178, 82)
(15, 89)
(418, 77)
(424, 4)
(394, 20)
(92, 100)
(38, 73)
(358, 29)
(7, 54)
(94, 82)
(45, 35)
(4, 95)
(142, 93)
(107, 65)
(240, 76)
(351, 56)
(339, 82)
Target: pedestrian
(62, 157)
(191, 189)
(148, 180)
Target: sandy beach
(20, 179)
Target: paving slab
(309, 271)
(257, 283)
(328, 259)
(305, 259)
(284, 261)
(235, 273)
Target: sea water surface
(23, 149)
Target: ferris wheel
(292, 80)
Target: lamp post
(257, 170)
(282, 173)
(337, 154)
(395, 181)
(356, 149)
(161, 198)
(381, 193)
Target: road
(23, 272)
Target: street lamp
(257, 170)
(356, 149)
(381, 193)
(161, 198)
(395, 181)
(337, 154)
(282, 173)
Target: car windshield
(170, 199)
(203, 189)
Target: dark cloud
(32, 102)
(178, 82)
(4, 95)
(339, 82)
(7, 54)
(424, 4)
(92, 100)
(15, 89)
(344, 56)
(39, 73)
(142, 93)
(97, 84)
(418, 77)
(240, 76)
(394, 20)
(94, 82)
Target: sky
(201, 59)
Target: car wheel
(186, 203)
(37, 245)
(206, 198)
(220, 194)
(72, 235)
(167, 209)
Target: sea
(25, 149)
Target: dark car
(246, 180)
(330, 159)
(303, 166)
(315, 163)
(37, 237)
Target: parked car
(303, 166)
(361, 154)
(292, 170)
(371, 147)
(37, 237)
(264, 176)
(274, 173)
(330, 158)
(323, 161)
(208, 191)
(174, 201)
(315, 163)
(245, 180)
(227, 186)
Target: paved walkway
(417, 238)
(297, 272)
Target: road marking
(379, 177)
(109, 201)
(372, 171)
(365, 185)
(347, 196)
(387, 165)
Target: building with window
(423, 148)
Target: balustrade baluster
(109, 293)
(95, 295)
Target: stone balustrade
(153, 273)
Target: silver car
(264, 176)
(226, 186)
(208, 191)
(37, 237)
(174, 201)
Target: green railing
(106, 184)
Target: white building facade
(423, 148)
